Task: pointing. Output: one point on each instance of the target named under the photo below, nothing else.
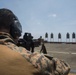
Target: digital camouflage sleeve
(46, 64)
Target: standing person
(43, 49)
(16, 60)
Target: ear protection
(8, 18)
(15, 28)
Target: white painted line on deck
(61, 52)
(73, 53)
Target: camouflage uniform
(46, 64)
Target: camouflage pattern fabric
(39, 61)
(47, 65)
